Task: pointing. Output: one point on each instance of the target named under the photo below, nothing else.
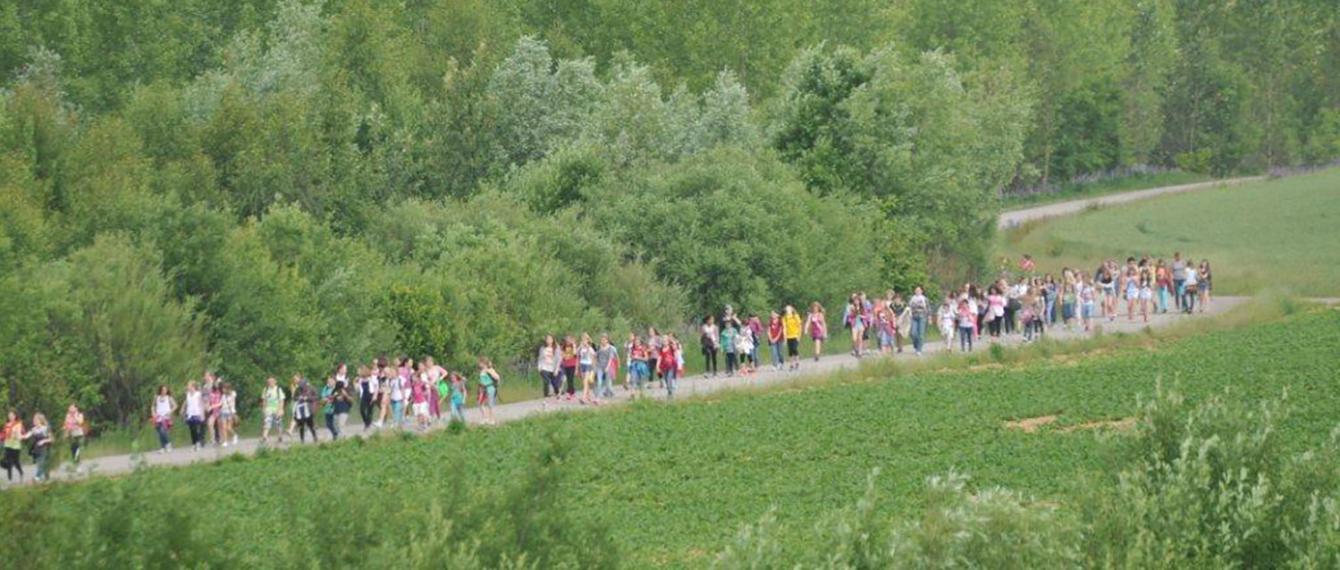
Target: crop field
(672, 484)
(1278, 234)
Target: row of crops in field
(656, 484)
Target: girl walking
(74, 431)
(488, 390)
(586, 366)
(228, 414)
(711, 341)
(818, 328)
(728, 332)
(967, 320)
(791, 327)
(161, 412)
(775, 339)
(458, 394)
(637, 365)
(547, 364)
(14, 436)
(569, 365)
(193, 409)
(947, 319)
(304, 409)
(41, 438)
(607, 367)
(669, 364)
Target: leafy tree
(135, 335)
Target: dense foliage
(267, 186)
(1212, 477)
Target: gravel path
(688, 388)
(1014, 218)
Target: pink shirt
(419, 392)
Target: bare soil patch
(1030, 425)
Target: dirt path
(1014, 218)
(688, 388)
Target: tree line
(266, 187)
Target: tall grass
(446, 523)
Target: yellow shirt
(791, 326)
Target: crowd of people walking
(406, 394)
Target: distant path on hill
(1015, 218)
(688, 388)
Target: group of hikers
(407, 394)
(1076, 299)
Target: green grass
(1076, 191)
(670, 484)
(1277, 234)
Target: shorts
(1088, 310)
(274, 421)
(225, 416)
(420, 409)
(793, 347)
(1146, 294)
(885, 339)
(585, 369)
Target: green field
(1275, 234)
(671, 484)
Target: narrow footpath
(688, 389)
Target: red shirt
(775, 330)
(668, 360)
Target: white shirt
(1190, 275)
(162, 406)
(397, 389)
(195, 404)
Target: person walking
(368, 389)
(272, 410)
(920, 309)
(728, 345)
(328, 407)
(14, 436)
(41, 439)
(488, 390)
(817, 325)
(638, 370)
(948, 317)
(791, 329)
(967, 323)
(459, 392)
(74, 431)
(1178, 279)
(711, 343)
(161, 415)
(304, 410)
(776, 336)
(586, 367)
(669, 364)
(546, 362)
(607, 367)
(193, 410)
(228, 415)
(1190, 289)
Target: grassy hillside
(673, 483)
(1274, 234)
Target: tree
(135, 334)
